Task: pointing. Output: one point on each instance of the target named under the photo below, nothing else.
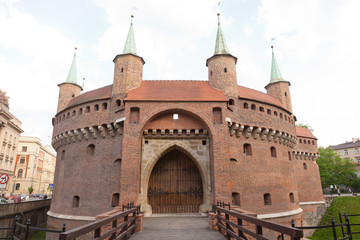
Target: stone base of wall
(312, 216)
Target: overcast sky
(317, 46)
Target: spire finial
(275, 71)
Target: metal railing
(117, 226)
(229, 220)
(22, 231)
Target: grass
(348, 205)
(39, 236)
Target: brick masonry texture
(129, 137)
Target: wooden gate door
(175, 185)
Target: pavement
(177, 227)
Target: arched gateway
(175, 185)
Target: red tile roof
(304, 132)
(97, 94)
(248, 93)
(175, 90)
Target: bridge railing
(122, 226)
(228, 220)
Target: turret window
(253, 107)
(304, 165)
(96, 107)
(267, 199)
(76, 202)
(246, 105)
(285, 94)
(73, 113)
(210, 73)
(231, 102)
(80, 111)
(261, 109)
(235, 198)
(269, 111)
(104, 106)
(87, 109)
(273, 152)
(275, 113)
(285, 117)
(247, 149)
(225, 69)
(122, 69)
(289, 154)
(291, 196)
(281, 116)
(118, 103)
(90, 150)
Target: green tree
(335, 170)
(30, 189)
(305, 126)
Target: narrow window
(233, 160)
(134, 115)
(281, 116)
(235, 198)
(104, 106)
(253, 107)
(267, 199)
(87, 109)
(73, 113)
(217, 115)
(231, 102)
(304, 141)
(68, 115)
(80, 111)
(346, 152)
(261, 109)
(291, 195)
(122, 70)
(24, 148)
(308, 141)
(20, 173)
(76, 201)
(304, 165)
(90, 149)
(115, 200)
(285, 94)
(273, 152)
(269, 111)
(17, 186)
(289, 154)
(210, 73)
(225, 69)
(300, 141)
(62, 155)
(175, 116)
(22, 160)
(96, 107)
(247, 149)
(203, 142)
(118, 103)
(285, 117)
(313, 143)
(246, 105)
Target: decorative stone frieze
(174, 132)
(271, 135)
(86, 133)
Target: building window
(115, 200)
(346, 152)
(233, 160)
(175, 116)
(267, 199)
(90, 149)
(20, 173)
(96, 107)
(247, 149)
(225, 69)
(261, 109)
(62, 155)
(289, 154)
(358, 160)
(273, 152)
(308, 141)
(281, 115)
(87, 109)
(313, 143)
(217, 115)
(285, 117)
(76, 201)
(291, 196)
(231, 102)
(118, 103)
(17, 187)
(246, 105)
(304, 165)
(104, 106)
(22, 160)
(24, 148)
(275, 113)
(269, 111)
(134, 115)
(253, 107)
(300, 141)
(80, 111)
(235, 198)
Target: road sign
(51, 185)
(4, 178)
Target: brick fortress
(180, 146)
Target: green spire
(130, 40)
(72, 72)
(275, 71)
(220, 46)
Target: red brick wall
(67, 92)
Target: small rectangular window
(175, 116)
(22, 160)
(24, 148)
(356, 150)
(346, 152)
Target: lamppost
(13, 187)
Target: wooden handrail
(96, 226)
(294, 233)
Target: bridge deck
(177, 227)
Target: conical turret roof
(275, 71)
(130, 46)
(220, 46)
(72, 76)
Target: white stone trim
(312, 203)
(70, 217)
(280, 214)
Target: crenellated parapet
(238, 130)
(86, 133)
(175, 132)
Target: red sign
(4, 178)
